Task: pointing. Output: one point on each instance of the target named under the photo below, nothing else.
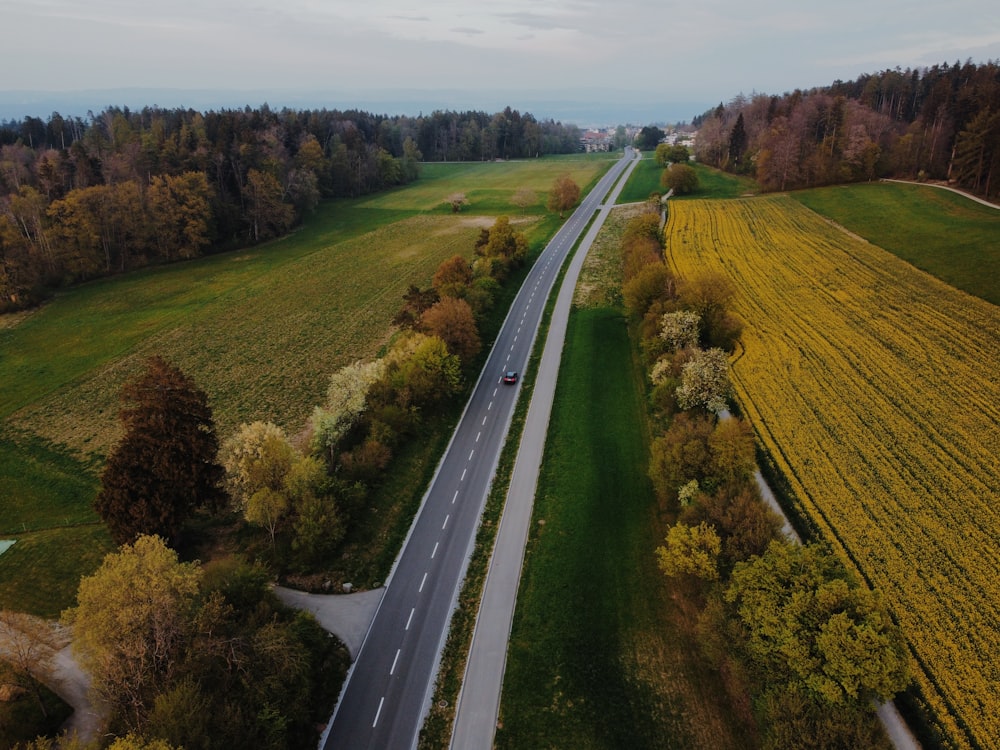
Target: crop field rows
(319, 313)
(874, 387)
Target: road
(389, 688)
(479, 701)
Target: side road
(58, 670)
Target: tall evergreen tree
(165, 465)
(738, 143)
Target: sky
(424, 53)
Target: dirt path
(964, 194)
(57, 669)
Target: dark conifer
(165, 465)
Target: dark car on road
(510, 377)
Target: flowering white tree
(346, 399)
(680, 329)
(705, 381)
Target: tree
(180, 211)
(652, 283)
(135, 742)
(523, 198)
(453, 277)
(502, 243)
(165, 466)
(711, 295)
(346, 401)
(810, 625)
(649, 137)
(415, 302)
(680, 178)
(563, 195)
(266, 214)
(690, 550)
(705, 381)
(456, 201)
(738, 142)
(131, 622)
(977, 152)
(266, 507)
(29, 646)
(680, 329)
(256, 458)
(731, 446)
(679, 154)
(662, 154)
(680, 455)
(319, 526)
(742, 519)
(424, 371)
(451, 320)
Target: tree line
(937, 123)
(81, 198)
(785, 624)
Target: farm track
(873, 386)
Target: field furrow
(874, 386)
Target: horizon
(639, 54)
(585, 108)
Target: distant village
(611, 138)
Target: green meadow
(712, 183)
(601, 653)
(260, 330)
(945, 234)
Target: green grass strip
(589, 568)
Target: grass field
(261, 330)
(712, 183)
(935, 230)
(874, 388)
(598, 656)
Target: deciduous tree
(690, 550)
(680, 178)
(452, 321)
(809, 624)
(453, 277)
(523, 198)
(564, 195)
(257, 457)
(705, 381)
(131, 622)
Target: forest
(938, 123)
(88, 197)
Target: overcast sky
(697, 51)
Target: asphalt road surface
(389, 687)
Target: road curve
(389, 687)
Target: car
(510, 377)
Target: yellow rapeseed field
(876, 389)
